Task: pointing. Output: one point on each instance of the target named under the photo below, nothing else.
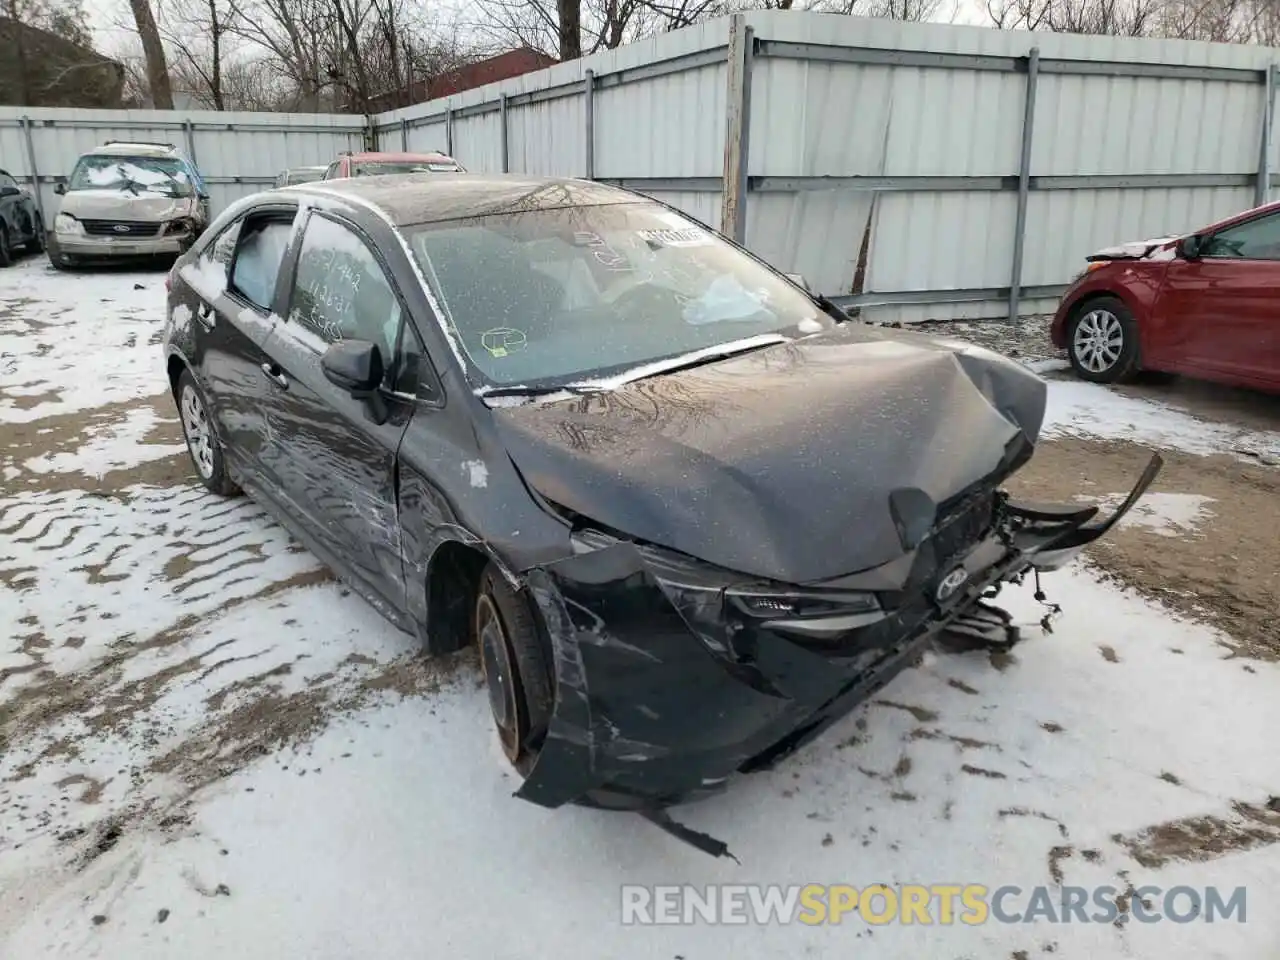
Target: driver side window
(1254, 240)
(341, 292)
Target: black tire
(516, 670)
(6, 249)
(57, 259)
(1102, 341)
(37, 242)
(203, 445)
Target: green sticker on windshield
(501, 341)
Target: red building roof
(504, 66)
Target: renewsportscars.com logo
(939, 903)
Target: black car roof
(416, 198)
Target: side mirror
(9, 191)
(355, 366)
(1189, 247)
(59, 188)
(799, 280)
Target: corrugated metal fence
(236, 153)
(918, 170)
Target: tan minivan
(128, 200)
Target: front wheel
(1102, 341)
(6, 248)
(202, 442)
(515, 669)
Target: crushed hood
(781, 463)
(1131, 249)
(124, 205)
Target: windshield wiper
(579, 389)
(833, 309)
(129, 183)
(700, 357)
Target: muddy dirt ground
(1226, 571)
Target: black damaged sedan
(690, 513)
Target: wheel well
(1094, 297)
(452, 581)
(175, 368)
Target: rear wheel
(1102, 341)
(515, 669)
(202, 442)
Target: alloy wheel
(1098, 341)
(495, 654)
(196, 427)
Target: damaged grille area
(963, 525)
(121, 228)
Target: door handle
(204, 313)
(275, 375)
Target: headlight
(65, 223)
(771, 602)
(774, 602)
(1089, 267)
(181, 225)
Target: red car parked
(1206, 305)
(376, 164)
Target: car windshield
(381, 167)
(166, 175)
(559, 296)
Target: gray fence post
(404, 134)
(35, 172)
(1262, 189)
(1024, 182)
(737, 134)
(589, 108)
(502, 118)
(189, 133)
(448, 131)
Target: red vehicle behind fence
(375, 164)
(1205, 305)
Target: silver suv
(128, 200)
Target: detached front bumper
(666, 686)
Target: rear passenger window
(258, 258)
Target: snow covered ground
(211, 749)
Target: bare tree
(571, 28)
(196, 33)
(1123, 18)
(152, 48)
